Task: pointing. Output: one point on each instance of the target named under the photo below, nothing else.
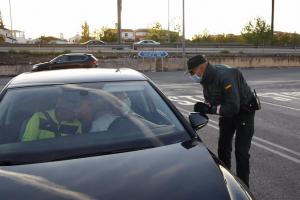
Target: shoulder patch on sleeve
(227, 87)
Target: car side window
(60, 59)
(76, 58)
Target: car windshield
(46, 123)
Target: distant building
(140, 34)
(48, 40)
(58, 41)
(19, 36)
(14, 36)
(127, 35)
(75, 39)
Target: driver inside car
(60, 121)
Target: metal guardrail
(173, 45)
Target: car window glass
(76, 58)
(60, 59)
(110, 112)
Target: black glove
(205, 108)
(201, 107)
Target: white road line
(190, 97)
(279, 94)
(258, 138)
(296, 94)
(270, 143)
(289, 81)
(197, 84)
(185, 113)
(274, 104)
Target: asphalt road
(275, 150)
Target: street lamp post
(169, 21)
(183, 35)
(11, 29)
(119, 21)
(272, 18)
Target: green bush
(12, 51)
(225, 52)
(24, 52)
(66, 51)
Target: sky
(52, 17)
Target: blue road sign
(153, 54)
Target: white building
(58, 41)
(140, 34)
(19, 36)
(15, 36)
(75, 39)
(127, 35)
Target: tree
(257, 32)
(157, 33)
(96, 35)
(1, 22)
(175, 29)
(175, 35)
(46, 39)
(286, 39)
(108, 35)
(85, 33)
(202, 37)
(2, 39)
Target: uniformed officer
(60, 121)
(228, 95)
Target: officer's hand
(201, 107)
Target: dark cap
(196, 61)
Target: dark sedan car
(71, 60)
(103, 134)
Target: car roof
(65, 76)
(77, 54)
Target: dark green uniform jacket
(225, 87)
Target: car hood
(42, 64)
(177, 171)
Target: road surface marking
(273, 104)
(257, 138)
(270, 143)
(197, 84)
(187, 100)
(185, 113)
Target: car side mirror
(198, 120)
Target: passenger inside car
(59, 121)
(107, 113)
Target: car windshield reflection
(130, 114)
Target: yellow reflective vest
(44, 125)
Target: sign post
(155, 55)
